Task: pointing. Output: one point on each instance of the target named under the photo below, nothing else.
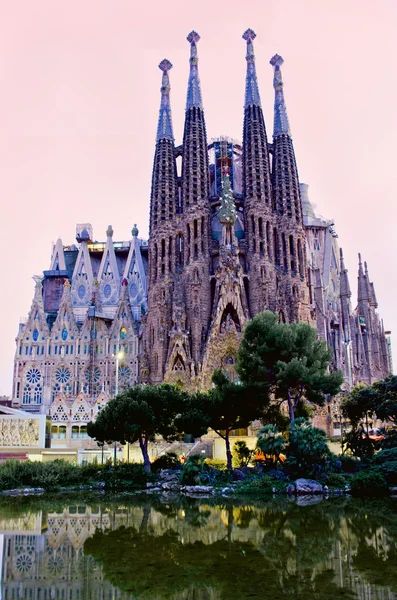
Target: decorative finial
(124, 282)
(164, 128)
(66, 283)
(193, 37)
(281, 123)
(193, 90)
(249, 35)
(135, 231)
(276, 60)
(109, 231)
(252, 97)
(165, 65)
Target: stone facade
(85, 323)
(232, 235)
(238, 236)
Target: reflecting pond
(100, 548)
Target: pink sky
(78, 113)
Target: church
(230, 235)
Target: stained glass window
(33, 376)
(38, 394)
(123, 333)
(35, 335)
(26, 394)
(64, 334)
(62, 375)
(81, 292)
(107, 290)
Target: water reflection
(116, 549)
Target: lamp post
(119, 356)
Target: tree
(229, 406)
(289, 360)
(359, 408)
(271, 443)
(140, 413)
(307, 449)
(386, 406)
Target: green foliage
(140, 413)
(389, 454)
(337, 480)
(242, 455)
(192, 469)
(271, 443)
(307, 450)
(169, 460)
(386, 399)
(349, 463)
(368, 482)
(287, 360)
(359, 443)
(258, 486)
(389, 470)
(197, 470)
(58, 473)
(216, 463)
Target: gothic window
(300, 259)
(178, 364)
(285, 257)
(292, 252)
(62, 375)
(35, 335)
(33, 376)
(276, 249)
(124, 377)
(56, 390)
(64, 334)
(38, 394)
(26, 396)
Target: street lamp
(118, 356)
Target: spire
(164, 128)
(195, 184)
(256, 161)
(285, 179)
(164, 193)
(344, 279)
(363, 290)
(371, 288)
(281, 124)
(252, 97)
(193, 87)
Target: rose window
(62, 375)
(33, 376)
(93, 374)
(24, 563)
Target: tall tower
(257, 191)
(288, 235)
(164, 250)
(195, 220)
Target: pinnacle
(165, 65)
(249, 35)
(276, 60)
(193, 37)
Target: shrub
(368, 482)
(271, 443)
(307, 450)
(192, 470)
(170, 460)
(216, 463)
(242, 455)
(349, 463)
(337, 480)
(389, 470)
(386, 455)
(131, 475)
(257, 486)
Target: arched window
(26, 396)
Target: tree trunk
(228, 451)
(291, 409)
(143, 443)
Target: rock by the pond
(307, 486)
(308, 500)
(197, 489)
(169, 475)
(170, 486)
(239, 475)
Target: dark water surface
(114, 547)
